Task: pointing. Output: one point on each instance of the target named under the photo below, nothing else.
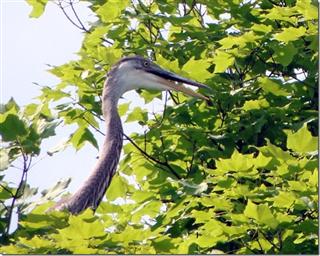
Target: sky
(27, 46)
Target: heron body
(127, 74)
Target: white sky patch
(134, 23)
(225, 16)
(232, 30)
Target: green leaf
(37, 242)
(209, 240)
(118, 188)
(261, 161)
(10, 105)
(150, 209)
(80, 229)
(137, 114)
(272, 86)
(284, 54)
(276, 152)
(302, 141)
(109, 11)
(290, 34)
(81, 136)
(222, 60)
(38, 7)
(261, 213)
(6, 192)
(123, 108)
(46, 129)
(308, 10)
(201, 216)
(149, 95)
(56, 190)
(11, 127)
(255, 104)
(297, 185)
(262, 28)
(284, 199)
(197, 69)
(237, 162)
(163, 244)
(52, 94)
(281, 13)
(241, 41)
(141, 196)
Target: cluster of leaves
(22, 131)
(239, 176)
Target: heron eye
(146, 64)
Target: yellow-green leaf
(255, 104)
(197, 69)
(302, 141)
(38, 7)
(123, 108)
(118, 188)
(222, 60)
(261, 213)
(111, 10)
(307, 9)
(237, 162)
(272, 86)
(290, 34)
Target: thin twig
(152, 158)
(77, 17)
(18, 193)
(67, 16)
(81, 26)
(271, 242)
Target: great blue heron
(127, 74)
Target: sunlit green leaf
(237, 162)
(137, 114)
(255, 104)
(307, 8)
(38, 7)
(302, 141)
(284, 199)
(272, 86)
(117, 188)
(81, 136)
(123, 108)
(197, 69)
(261, 213)
(111, 9)
(290, 34)
(222, 61)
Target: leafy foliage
(239, 176)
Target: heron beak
(175, 82)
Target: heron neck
(110, 97)
(92, 191)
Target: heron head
(138, 72)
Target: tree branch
(81, 26)
(77, 17)
(166, 164)
(26, 165)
